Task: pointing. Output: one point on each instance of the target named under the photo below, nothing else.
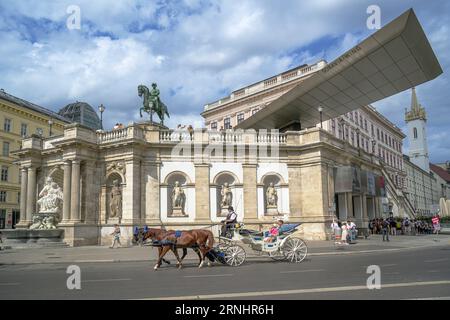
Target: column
(67, 190)
(23, 197)
(131, 192)
(31, 193)
(202, 210)
(250, 193)
(75, 192)
(90, 190)
(151, 194)
(295, 188)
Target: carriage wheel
(295, 250)
(235, 255)
(277, 255)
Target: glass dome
(82, 113)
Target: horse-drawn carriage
(228, 251)
(286, 246)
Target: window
(2, 196)
(415, 133)
(240, 117)
(382, 137)
(6, 149)
(365, 125)
(351, 115)
(353, 138)
(4, 173)
(373, 131)
(227, 123)
(361, 121)
(23, 129)
(356, 117)
(346, 134)
(214, 125)
(378, 134)
(40, 131)
(7, 125)
(367, 145)
(333, 126)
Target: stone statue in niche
(178, 198)
(51, 197)
(227, 195)
(116, 200)
(271, 196)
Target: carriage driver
(229, 221)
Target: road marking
(299, 291)
(434, 298)
(10, 284)
(210, 275)
(300, 271)
(93, 261)
(437, 260)
(105, 280)
(433, 271)
(388, 265)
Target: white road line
(89, 261)
(10, 284)
(105, 280)
(433, 298)
(437, 260)
(433, 271)
(210, 275)
(299, 291)
(301, 271)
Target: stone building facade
(147, 161)
(18, 119)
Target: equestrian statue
(152, 102)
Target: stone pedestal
(18, 237)
(272, 211)
(178, 212)
(114, 221)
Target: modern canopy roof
(395, 58)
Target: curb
(249, 258)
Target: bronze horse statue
(152, 102)
(200, 240)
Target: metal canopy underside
(395, 58)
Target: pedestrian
(344, 234)
(436, 224)
(385, 229)
(336, 231)
(116, 236)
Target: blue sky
(198, 51)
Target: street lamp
(320, 109)
(50, 123)
(101, 108)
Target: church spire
(417, 112)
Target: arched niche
(222, 178)
(110, 178)
(171, 180)
(277, 181)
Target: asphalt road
(409, 274)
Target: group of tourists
(405, 226)
(344, 232)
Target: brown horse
(200, 240)
(159, 235)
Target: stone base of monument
(178, 212)
(113, 221)
(26, 238)
(44, 221)
(272, 211)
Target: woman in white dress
(344, 233)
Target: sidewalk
(135, 253)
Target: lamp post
(320, 109)
(50, 124)
(101, 108)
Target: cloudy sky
(198, 51)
